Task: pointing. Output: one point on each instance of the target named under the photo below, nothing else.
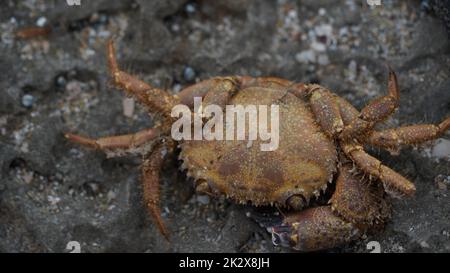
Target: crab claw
(281, 236)
(313, 229)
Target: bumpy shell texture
(304, 162)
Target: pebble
(53, 200)
(177, 88)
(343, 31)
(41, 21)
(74, 87)
(203, 199)
(92, 188)
(28, 177)
(71, 192)
(306, 56)
(424, 244)
(189, 74)
(324, 30)
(111, 195)
(323, 59)
(322, 11)
(442, 182)
(441, 185)
(61, 81)
(441, 149)
(25, 147)
(104, 34)
(128, 107)
(352, 70)
(191, 8)
(425, 5)
(175, 27)
(27, 100)
(319, 47)
(103, 19)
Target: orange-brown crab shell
(303, 164)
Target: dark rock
(442, 10)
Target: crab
(321, 149)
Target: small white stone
(189, 74)
(128, 107)
(28, 177)
(324, 30)
(203, 199)
(104, 34)
(322, 11)
(41, 21)
(292, 14)
(53, 200)
(190, 8)
(24, 148)
(424, 244)
(177, 88)
(441, 149)
(175, 27)
(89, 52)
(111, 195)
(323, 59)
(27, 100)
(319, 47)
(306, 56)
(353, 70)
(73, 87)
(343, 31)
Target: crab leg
(202, 88)
(394, 184)
(269, 82)
(214, 91)
(415, 134)
(392, 139)
(116, 142)
(150, 179)
(376, 111)
(222, 91)
(355, 207)
(186, 96)
(337, 107)
(156, 99)
(334, 114)
(358, 201)
(383, 107)
(347, 110)
(314, 229)
(326, 110)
